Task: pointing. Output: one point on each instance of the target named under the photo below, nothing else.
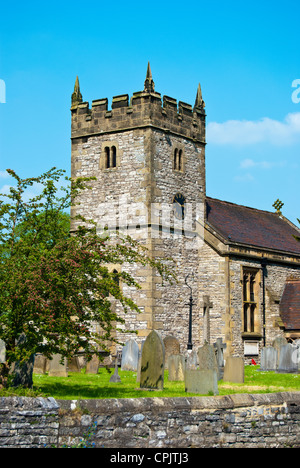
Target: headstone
(115, 377)
(56, 368)
(73, 364)
(234, 370)
(23, 371)
(176, 367)
(201, 381)
(192, 360)
(130, 356)
(153, 362)
(172, 346)
(277, 343)
(269, 359)
(207, 357)
(92, 366)
(297, 353)
(2, 352)
(288, 358)
(219, 350)
(40, 364)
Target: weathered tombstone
(207, 357)
(176, 366)
(58, 368)
(138, 376)
(172, 346)
(73, 364)
(39, 364)
(219, 350)
(269, 359)
(288, 359)
(201, 381)
(2, 352)
(277, 343)
(296, 354)
(153, 362)
(115, 377)
(130, 356)
(92, 366)
(234, 370)
(192, 360)
(23, 372)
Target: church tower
(147, 154)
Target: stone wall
(266, 420)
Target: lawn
(85, 386)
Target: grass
(86, 386)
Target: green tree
(54, 285)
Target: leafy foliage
(55, 285)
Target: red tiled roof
(244, 225)
(290, 305)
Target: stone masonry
(147, 154)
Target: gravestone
(138, 377)
(288, 359)
(207, 357)
(277, 343)
(297, 353)
(176, 367)
(130, 356)
(92, 366)
(56, 368)
(40, 364)
(2, 352)
(234, 370)
(269, 359)
(115, 377)
(201, 381)
(219, 347)
(73, 365)
(23, 371)
(192, 360)
(172, 346)
(153, 362)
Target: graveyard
(159, 369)
(155, 396)
(97, 386)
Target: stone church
(238, 268)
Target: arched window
(180, 160)
(114, 156)
(107, 157)
(175, 158)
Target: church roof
(249, 226)
(290, 305)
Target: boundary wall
(237, 421)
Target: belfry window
(110, 155)
(178, 160)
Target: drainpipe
(264, 267)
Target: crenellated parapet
(144, 109)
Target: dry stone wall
(237, 421)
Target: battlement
(144, 109)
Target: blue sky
(245, 55)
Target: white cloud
(245, 132)
(249, 163)
(4, 175)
